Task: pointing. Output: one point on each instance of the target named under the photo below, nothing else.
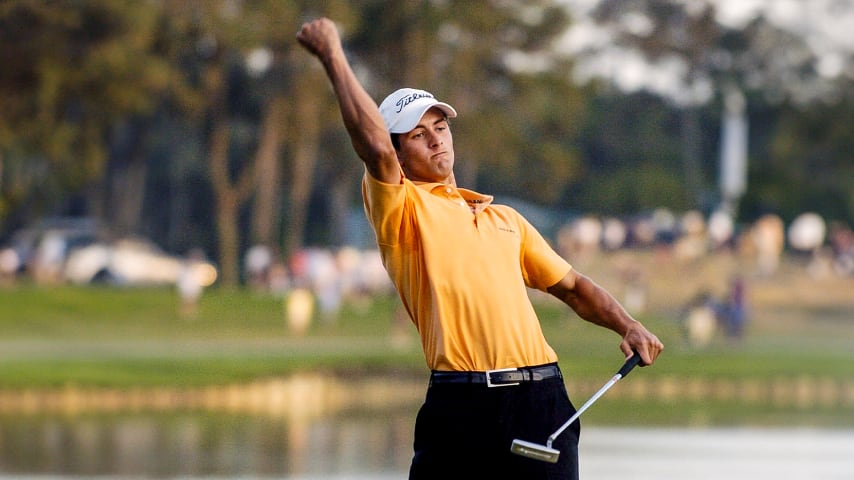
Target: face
(426, 153)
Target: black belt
(498, 378)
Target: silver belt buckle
(489, 383)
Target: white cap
(403, 109)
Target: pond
(377, 446)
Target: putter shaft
(584, 407)
(548, 454)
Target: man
(461, 265)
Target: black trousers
(464, 431)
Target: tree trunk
(692, 157)
(339, 209)
(229, 240)
(265, 216)
(305, 135)
(229, 197)
(126, 195)
(226, 204)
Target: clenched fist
(319, 37)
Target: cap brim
(408, 126)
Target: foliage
(778, 68)
(70, 71)
(805, 150)
(633, 158)
(149, 116)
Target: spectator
(9, 265)
(735, 311)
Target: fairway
(795, 355)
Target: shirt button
(462, 204)
(448, 190)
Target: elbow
(374, 147)
(384, 149)
(381, 162)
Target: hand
(319, 37)
(641, 340)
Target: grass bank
(797, 341)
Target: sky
(825, 24)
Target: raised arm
(594, 304)
(360, 113)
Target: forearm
(595, 305)
(360, 113)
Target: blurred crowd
(827, 249)
(707, 315)
(314, 282)
(57, 255)
(822, 250)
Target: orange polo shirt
(461, 266)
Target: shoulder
(509, 214)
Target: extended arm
(360, 113)
(594, 304)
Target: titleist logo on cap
(403, 102)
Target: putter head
(535, 451)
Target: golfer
(461, 265)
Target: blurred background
(188, 285)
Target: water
(378, 447)
(717, 453)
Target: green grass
(90, 338)
(137, 337)
(59, 336)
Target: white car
(133, 261)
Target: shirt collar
(477, 201)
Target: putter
(545, 452)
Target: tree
(495, 63)
(811, 148)
(71, 73)
(229, 35)
(769, 62)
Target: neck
(449, 180)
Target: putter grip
(631, 363)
